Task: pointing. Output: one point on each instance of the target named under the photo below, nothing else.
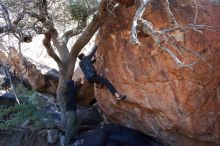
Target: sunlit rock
(180, 106)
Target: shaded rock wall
(180, 106)
(86, 95)
(38, 76)
(43, 78)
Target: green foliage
(82, 9)
(24, 93)
(13, 117)
(26, 96)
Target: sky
(36, 51)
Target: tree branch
(42, 6)
(8, 27)
(60, 46)
(6, 15)
(137, 16)
(98, 20)
(50, 32)
(37, 16)
(19, 18)
(66, 36)
(162, 41)
(5, 29)
(48, 46)
(171, 18)
(161, 38)
(196, 11)
(12, 28)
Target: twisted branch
(162, 38)
(137, 16)
(73, 32)
(48, 46)
(162, 41)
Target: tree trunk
(66, 72)
(66, 60)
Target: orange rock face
(180, 106)
(86, 95)
(40, 77)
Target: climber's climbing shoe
(121, 97)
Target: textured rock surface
(86, 94)
(180, 106)
(40, 77)
(2, 56)
(89, 116)
(7, 98)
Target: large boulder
(38, 76)
(89, 116)
(86, 95)
(180, 106)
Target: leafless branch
(6, 15)
(42, 5)
(8, 27)
(4, 29)
(137, 16)
(65, 38)
(196, 11)
(170, 15)
(161, 40)
(10, 80)
(139, 13)
(196, 54)
(19, 18)
(48, 46)
(35, 15)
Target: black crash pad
(114, 135)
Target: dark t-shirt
(86, 65)
(71, 94)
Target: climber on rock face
(72, 123)
(86, 65)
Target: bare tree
(67, 59)
(163, 38)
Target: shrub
(82, 9)
(12, 117)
